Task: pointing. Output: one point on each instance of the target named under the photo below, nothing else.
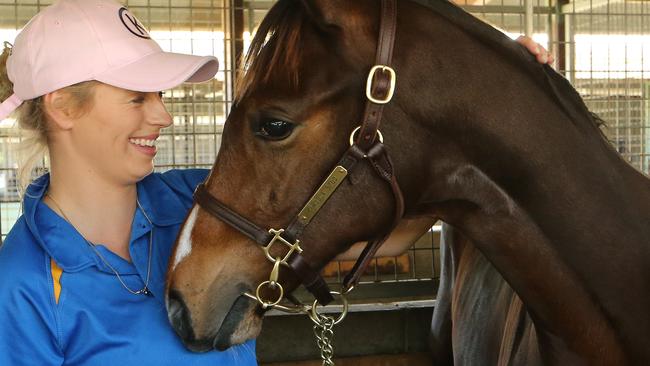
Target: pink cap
(73, 41)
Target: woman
(82, 272)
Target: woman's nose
(158, 114)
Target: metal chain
(323, 324)
(324, 336)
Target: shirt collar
(160, 201)
(166, 209)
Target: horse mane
(282, 25)
(276, 48)
(559, 88)
(275, 52)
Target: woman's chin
(139, 173)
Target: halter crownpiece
(365, 146)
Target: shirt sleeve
(28, 331)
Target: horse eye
(274, 129)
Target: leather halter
(367, 146)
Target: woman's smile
(145, 144)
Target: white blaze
(185, 241)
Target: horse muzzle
(234, 329)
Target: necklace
(145, 289)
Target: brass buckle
(391, 90)
(277, 237)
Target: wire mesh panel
(13, 16)
(608, 48)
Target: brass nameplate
(322, 194)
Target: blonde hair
(32, 119)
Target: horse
(546, 251)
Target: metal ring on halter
(266, 304)
(381, 137)
(314, 316)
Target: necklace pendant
(145, 291)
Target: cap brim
(161, 71)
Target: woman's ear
(58, 111)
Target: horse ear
(347, 21)
(327, 14)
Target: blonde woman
(82, 272)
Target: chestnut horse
(496, 145)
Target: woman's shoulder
(20, 251)
(27, 304)
(24, 267)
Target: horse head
(480, 136)
(300, 98)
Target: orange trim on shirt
(56, 278)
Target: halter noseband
(368, 146)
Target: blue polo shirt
(94, 320)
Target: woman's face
(117, 136)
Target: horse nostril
(179, 316)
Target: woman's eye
(275, 129)
(138, 100)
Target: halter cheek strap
(381, 79)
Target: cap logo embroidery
(132, 24)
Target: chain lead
(324, 336)
(323, 324)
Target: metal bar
(528, 23)
(237, 43)
(581, 6)
(507, 9)
(372, 306)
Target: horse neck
(545, 198)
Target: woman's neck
(102, 211)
